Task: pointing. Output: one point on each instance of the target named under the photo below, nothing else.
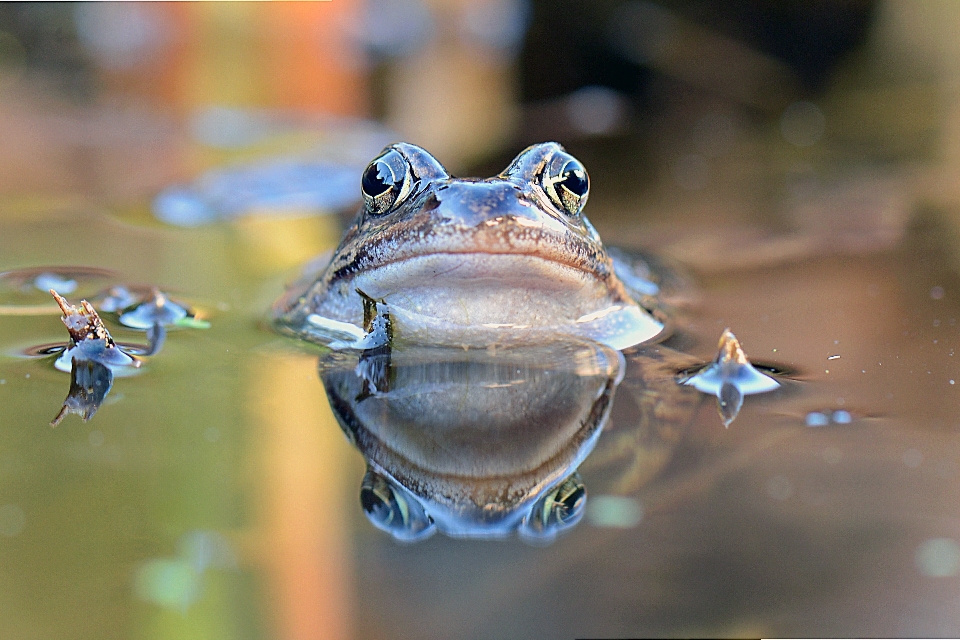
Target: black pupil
(377, 179)
(374, 505)
(571, 502)
(575, 181)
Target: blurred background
(744, 108)
(662, 99)
(832, 120)
(214, 147)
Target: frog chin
(471, 288)
(480, 298)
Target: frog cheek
(557, 510)
(393, 509)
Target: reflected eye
(560, 509)
(386, 182)
(393, 509)
(567, 183)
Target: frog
(472, 261)
(487, 443)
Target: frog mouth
(473, 299)
(471, 272)
(496, 246)
(450, 291)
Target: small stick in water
(92, 351)
(730, 377)
(83, 323)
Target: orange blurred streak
(160, 79)
(303, 542)
(288, 55)
(312, 63)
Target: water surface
(214, 495)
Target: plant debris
(90, 382)
(92, 351)
(83, 323)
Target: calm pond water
(213, 494)
(792, 172)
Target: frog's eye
(393, 509)
(566, 182)
(559, 509)
(386, 182)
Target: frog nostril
(431, 203)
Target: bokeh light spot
(938, 558)
(616, 512)
(167, 582)
(595, 110)
(912, 458)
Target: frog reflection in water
(470, 262)
(483, 442)
(473, 443)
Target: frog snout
(480, 204)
